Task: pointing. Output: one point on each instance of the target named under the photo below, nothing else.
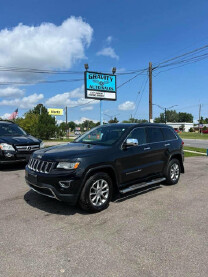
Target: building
(183, 126)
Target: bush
(191, 130)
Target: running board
(141, 185)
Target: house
(185, 126)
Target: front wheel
(173, 172)
(96, 193)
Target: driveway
(159, 232)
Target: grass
(193, 136)
(199, 150)
(188, 154)
(60, 140)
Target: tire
(173, 172)
(96, 193)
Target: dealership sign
(100, 86)
(55, 111)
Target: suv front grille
(40, 166)
(27, 148)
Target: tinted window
(105, 135)
(154, 135)
(139, 134)
(168, 134)
(11, 130)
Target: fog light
(64, 184)
(9, 155)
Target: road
(157, 233)
(199, 143)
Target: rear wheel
(173, 172)
(97, 193)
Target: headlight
(6, 147)
(66, 165)
(42, 145)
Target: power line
(83, 104)
(129, 80)
(15, 69)
(142, 92)
(185, 54)
(41, 82)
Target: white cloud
(127, 106)
(27, 102)
(82, 119)
(11, 92)
(109, 39)
(59, 121)
(108, 52)
(64, 99)
(44, 46)
(87, 108)
(5, 116)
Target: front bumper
(13, 157)
(48, 185)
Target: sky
(64, 35)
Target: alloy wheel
(174, 172)
(99, 192)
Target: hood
(69, 151)
(19, 140)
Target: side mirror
(131, 142)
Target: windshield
(105, 135)
(11, 130)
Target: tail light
(182, 143)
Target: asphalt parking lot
(160, 232)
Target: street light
(86, 66)
(111, 116)
(114, 70)
(165, 110)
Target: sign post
(100, 86)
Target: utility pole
(150, 92)
(66, 119)
(101, 112)
(165, 116)
(199, 113)
(200, 118)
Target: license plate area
(32, 178)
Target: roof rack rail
(7, 120)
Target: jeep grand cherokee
(108, 159)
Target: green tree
(135, 120)
(71, 125)
(185, 117)
(38, 123)
(46, 126)
(115, 120)
(87, 124)
(171, 116)
(203, 121)
(29, 123)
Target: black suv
(15, 144)
(115, 158)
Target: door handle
(147, 148)
(167, 144)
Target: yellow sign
(55, 111)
